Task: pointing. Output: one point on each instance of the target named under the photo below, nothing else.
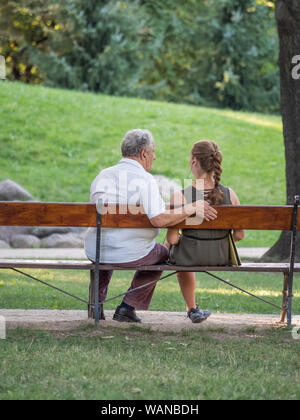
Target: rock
(11, 191)
(4, 245)
(82, 235)
(68, 240)
(167, 187)
(7, 232)
(44, 231)
(25, 241)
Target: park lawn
(54, 142)
(133, 364)
(18, 292)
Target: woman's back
(202, 246)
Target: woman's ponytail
(210, 158)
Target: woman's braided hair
(210, 158)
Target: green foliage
(25, 26)
(95, 48)
(172, 48)
(213, 52)
(241, 55)
(219, 52)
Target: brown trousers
(139, 299)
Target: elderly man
(129, 182)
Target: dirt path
(155, 320)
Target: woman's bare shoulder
(233, 197)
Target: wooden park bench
(85, 215)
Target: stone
(4, 245)
(25, 241)
(11, 191)
(82, 235)
(7, 232)
(44, 231)
(68, 240)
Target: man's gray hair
(135, 141)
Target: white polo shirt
(125, 183)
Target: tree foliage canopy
(213, 52)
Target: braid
(208, 154)
(217, 194)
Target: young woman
(196, 246)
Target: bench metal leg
(292, 260)
(96, 271)
(91, 314)
(284, 298)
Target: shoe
(125, 315)
(197, 315)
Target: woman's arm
(173, 236)
(238, 234)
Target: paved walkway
(79, 254)
(155, 320)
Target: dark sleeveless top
(202, 246)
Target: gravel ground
(155, 320)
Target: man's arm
(178, 215)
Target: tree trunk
(288, 24)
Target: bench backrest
(84, 215)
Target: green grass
(17, 291)
(109, 363)
(133, 364)
(54, 142)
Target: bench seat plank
(55, 264)
(88, 265)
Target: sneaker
(197, 315)
(125, 315)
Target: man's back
(125, 183)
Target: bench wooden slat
(55, 264)
(84, 215)
(246, 267)
(87, 265)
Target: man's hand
(202, 211)
(209, 212)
